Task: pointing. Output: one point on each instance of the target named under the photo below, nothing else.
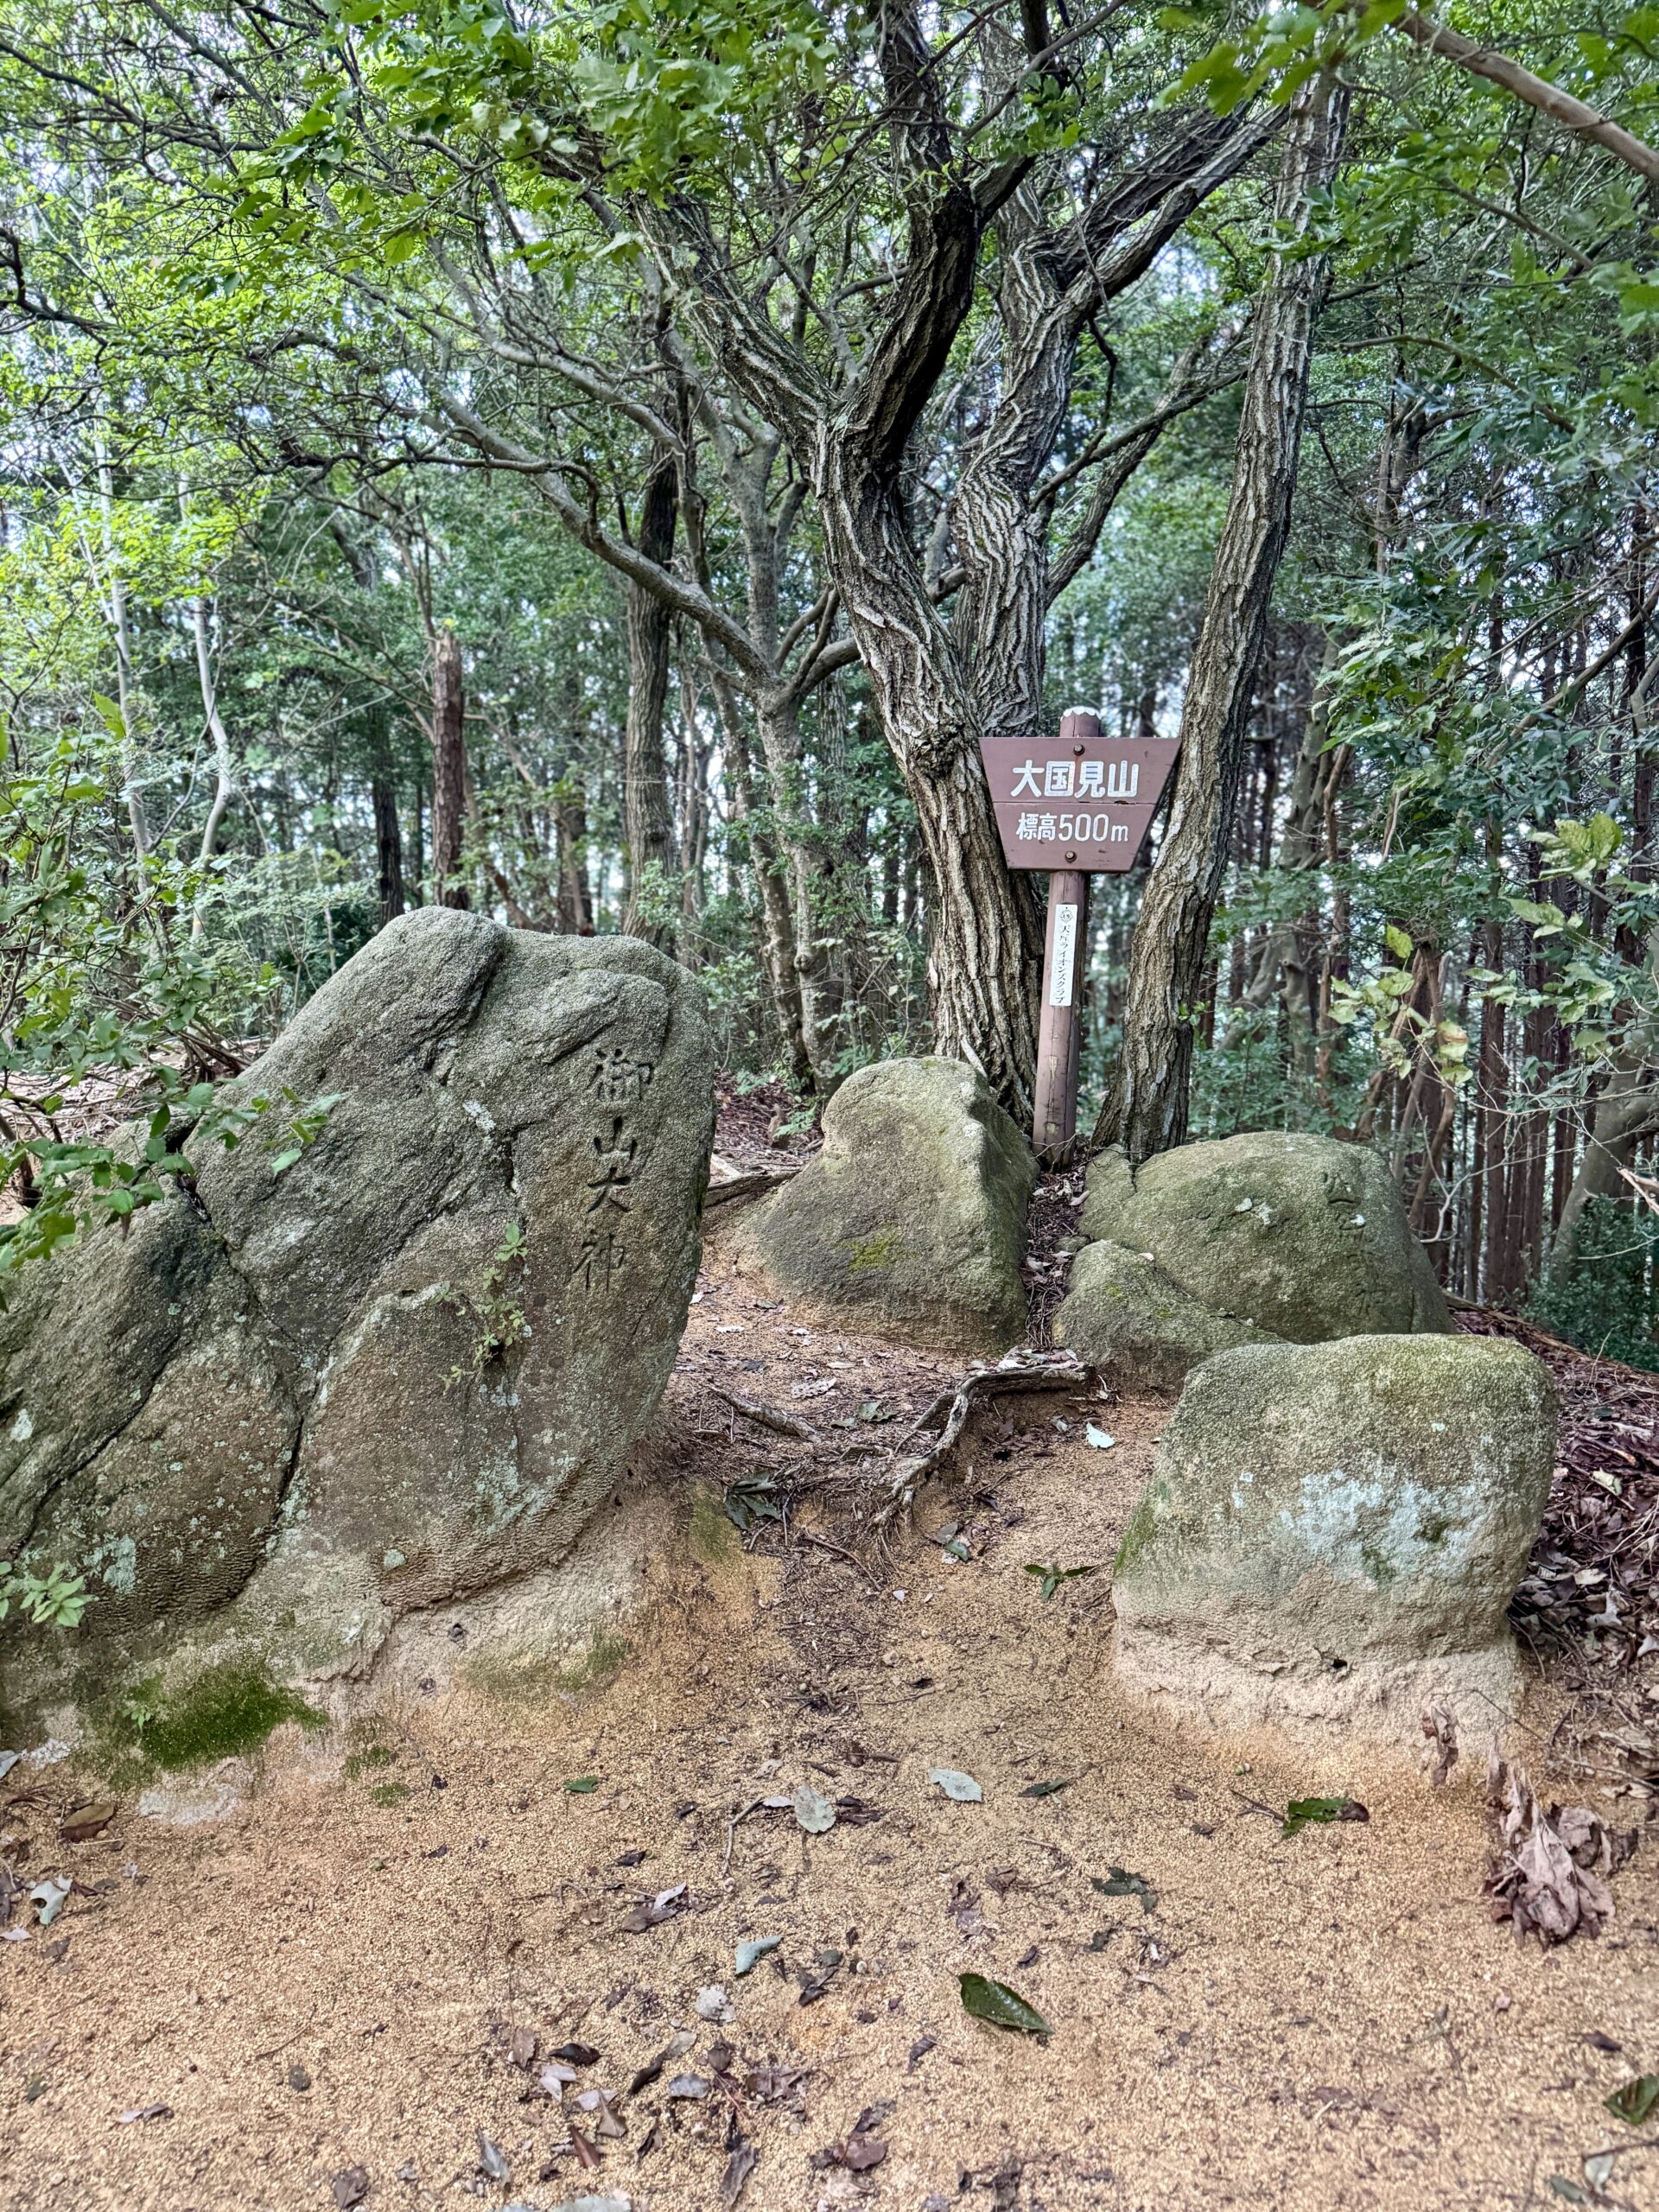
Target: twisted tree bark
(1147, 1112)
(648, 825)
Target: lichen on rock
(1331, 1534)
(412, 1363)
(1272, 1234)
(911, 1219)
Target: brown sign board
(1075, 803)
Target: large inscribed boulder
(911, 1219)
(1277, 1235)
(410, 1361)
(1331, 1534)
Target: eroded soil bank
(392, 1912)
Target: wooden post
(1054, 1122)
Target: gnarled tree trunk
(1147, 1110)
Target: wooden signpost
(1077, 804)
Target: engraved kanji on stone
(611, 1185)
(619, 1079)
(596, 1262)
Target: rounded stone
(1331, 1534)
(1301, 1235)
(911, 1219)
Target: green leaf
(1121, 1884)
(583, 1785)
(1048, 1789)
(1397, 942)
(1002, 2008)
(110, 715)
(750, 1955)
(1053, 1576)
(1634, 2104)
(285, 1159)
(1309, 1812)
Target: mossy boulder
(911, 1219)
(1331, 1534)
(1124, 1313)
(409, 1364)
(1279, 1235)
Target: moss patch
(360, 1763)
(526, 1678)
(709, 1532)
(878, 1251)
(229, 1710)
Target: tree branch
(1583, 120)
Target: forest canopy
(609, 465)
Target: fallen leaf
(576, 2054)
(1439, 1728)
(556, 2079)
(858, 1812)
(1002, 2008)
(1313, 1812)
(1048, 1789)
(677, 2046)
(862, 2153)
(1634, 2104)
(920, 2049)
(1099, 1438)
(48, 1898)
(148, 2111)
(1597, 2041)
(521, 2049)
(750, 1955)
(1053, 1576)
(587, 2157)
(1561, 2186)
(491, 2162)
(1546, 1876)
(735, 2179)
(87, 1821)
(581, 1785)
(961, 1788)
(651, 1912)
(350, 2186)
(814, 1811)
(690, 2086)
(1121, 1884)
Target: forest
(725, 1478)
(607, 466)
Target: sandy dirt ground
(362, 1971)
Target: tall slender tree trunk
(776, 912)
(224, 777)
(449, 770)
(389, 848)
(648, 822)
(1147, 1111)
(574, 903)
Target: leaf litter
(1546, 1875)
